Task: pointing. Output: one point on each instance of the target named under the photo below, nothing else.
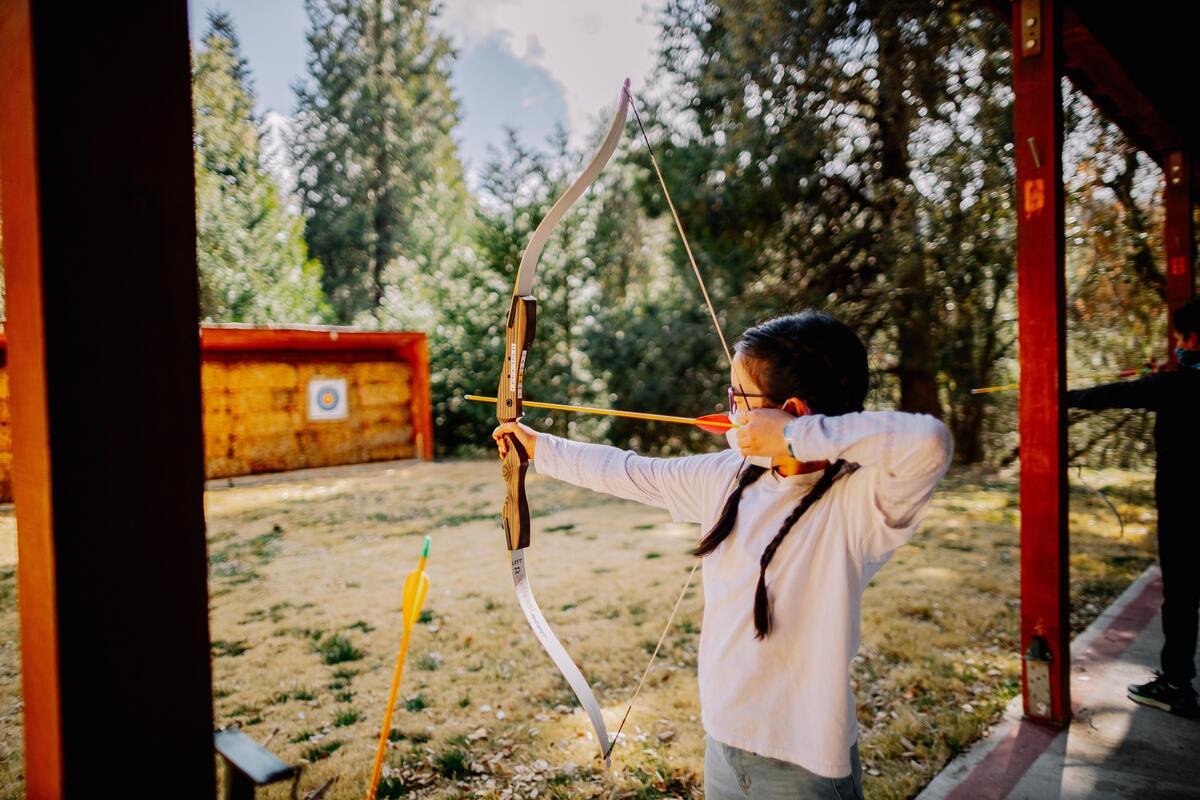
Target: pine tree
(254, 264)
(378, 175)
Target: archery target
(327, 399)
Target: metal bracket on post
(1175, 168)
(1031, 27)
(1037, 678)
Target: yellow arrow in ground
(416, 586)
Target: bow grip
(515, 515)
(518, 336)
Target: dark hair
(809, 355)
(1186, 318)
(812, 356)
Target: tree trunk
(967, 427)
(913, 306)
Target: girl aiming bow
(809, 503)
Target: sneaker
(1160, 693)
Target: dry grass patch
(306, 574)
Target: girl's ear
(795, 405)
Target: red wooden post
(416, 352)
(1037, 74)
(19, 195)
(96, 180)
(1179, 236)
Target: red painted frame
(1041, 298)
(95, 114)
(36, 579)
(1068, 47)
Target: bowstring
(646, 671)
(687, 245)
(679, 226)
(729, 357)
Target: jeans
(733, 774)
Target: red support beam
(97, 188)
(231, 338)
(416, 353)
(19, 197)
(1098, 73)
(1038, 135)
(1179, 235)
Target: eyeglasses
(734, 394)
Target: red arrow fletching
(722, 423)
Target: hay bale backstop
(278, 399)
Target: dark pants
(1179, 555)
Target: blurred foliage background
(853, 157)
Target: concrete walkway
(1113, 748)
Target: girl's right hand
(525, 435)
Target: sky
(527, 64)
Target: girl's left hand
(525, 435)
(761, 432)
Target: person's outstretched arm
(683, 486)
(1145, 392)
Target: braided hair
(818, 359)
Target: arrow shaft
(609, 412)
(415, 587)
(381, 747)
(1008, 387)
(1125, 373)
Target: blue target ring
(327, 398)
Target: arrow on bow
(713, 423)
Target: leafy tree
(1116, 316)
(518, 186)
(378, 175)
(614, 327)
(837, 147)
(805, 117)
(966, 213)
(254, 265)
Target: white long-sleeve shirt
(787, 696)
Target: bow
(518, 336)
(519, 330)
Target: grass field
(306, 570)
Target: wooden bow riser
(518, 336)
